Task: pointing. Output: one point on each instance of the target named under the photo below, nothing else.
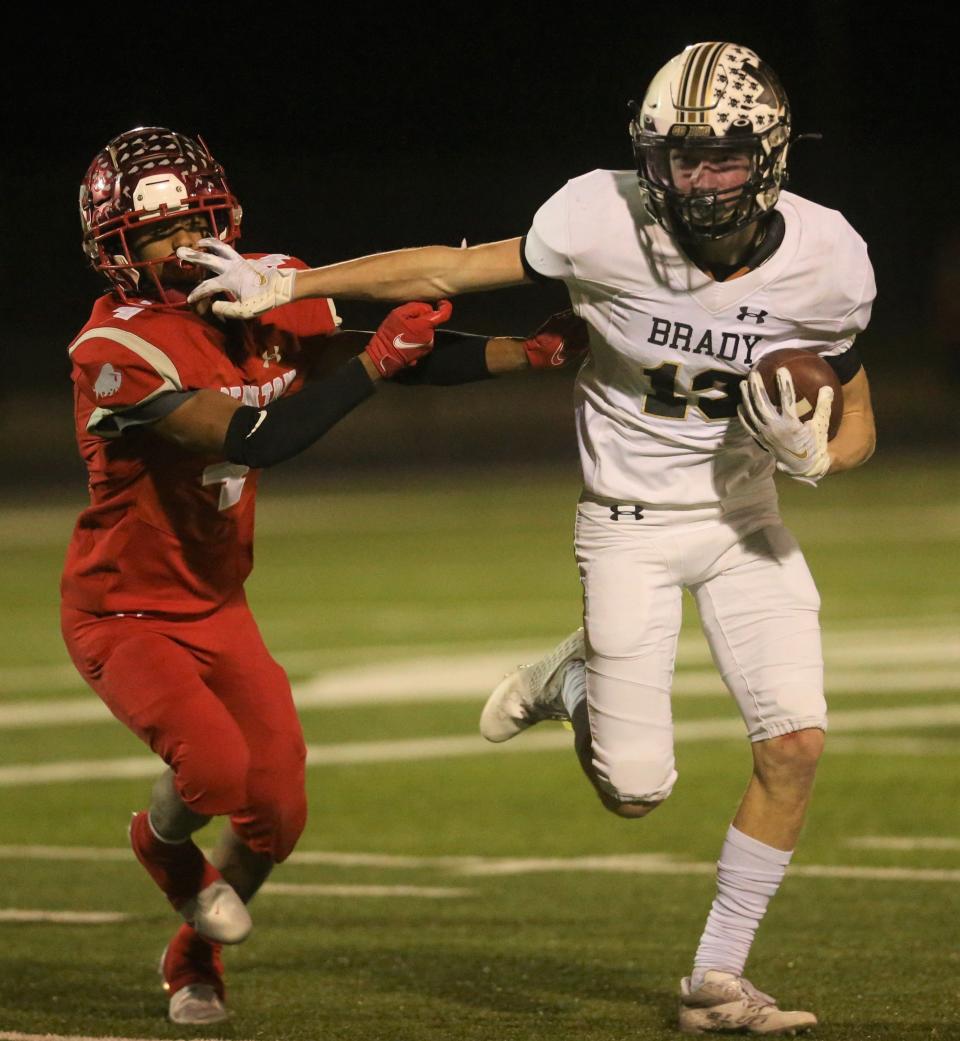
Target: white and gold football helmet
(714, 98)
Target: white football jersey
(657, 396)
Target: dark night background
(346, 132)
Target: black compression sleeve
(845, 365)
(531, 271)
(454, 359)
(258, 437)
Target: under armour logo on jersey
(271, 354)
(616, 512)
(108, 382)
(757, 316)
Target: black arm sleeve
(845, 365)
(259, 437)
(531, 271)
(455, 358)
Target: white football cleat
(196, 1004)
(218, 914)
(192, 969)
(725, 1003)
(531, 693)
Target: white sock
(574, 687)
(748, 874)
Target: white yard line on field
(904, 842)
(65, 677)
(426, 892)
(430, 680)
(894, 648)
(77, 770)
(664, 864)
(69, 853)
(13, 1035)
(14, 678)
(13, 914)
(876, 874)
(849, 720)
(426, 683)
(53, 713)
(469, 677)
(916, 747)
(454, 669)
(323, 858)
(492, 867)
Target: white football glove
(258, 285)
(799, 448)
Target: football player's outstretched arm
(857, 437)
(561, 340)
(426, 273)
(212, 423)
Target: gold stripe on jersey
(139, 346)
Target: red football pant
(208, 698)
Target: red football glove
(406, 335)
(561, 339)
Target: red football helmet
(144, 176)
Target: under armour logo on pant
(616, 512)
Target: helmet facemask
(715, 212)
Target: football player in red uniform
(176, 412)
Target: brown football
(810, 372)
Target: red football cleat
(192, 972)
(192, 884)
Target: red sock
(189, 958)
(179, 869)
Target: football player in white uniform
(686, 277)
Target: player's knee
(634, 788)
(212, 779)
(628, 810)
(788, 755)
(291, 819)
(273, 826)
(277, 812)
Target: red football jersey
(168, 531)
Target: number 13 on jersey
(714, 393)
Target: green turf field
(448, 890)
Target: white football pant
(758, 606)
